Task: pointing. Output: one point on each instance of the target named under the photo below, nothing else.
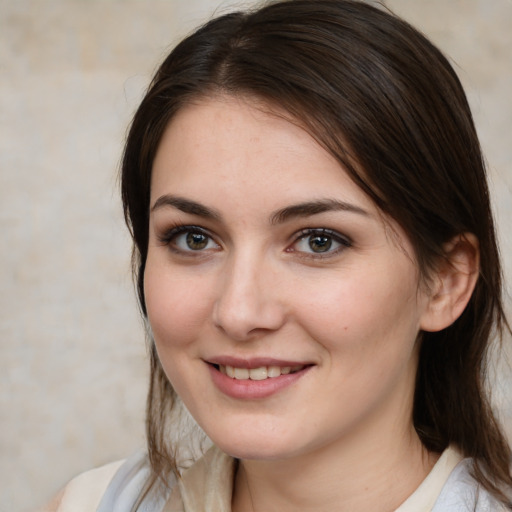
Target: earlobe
(453, 283)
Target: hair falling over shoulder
(389, 107)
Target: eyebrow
(305, 209)
(313, 208)
(186, 206)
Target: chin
(254, 452)
(256, 448)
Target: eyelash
(172, 234)
(344, 242)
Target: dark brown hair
(380, 97)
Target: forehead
(221, 141)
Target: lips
(255, 378)
(260, 373)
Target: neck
(353, 477)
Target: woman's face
(284, 308)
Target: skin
(340, 437)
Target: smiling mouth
(261, 373)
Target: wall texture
(72, 353)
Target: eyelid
(344, 241)
(166, 236)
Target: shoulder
(116, 487)
(129, 485)
(84, 492)
(462, 493)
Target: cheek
(177, 306)
(362, 311)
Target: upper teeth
(262, 373)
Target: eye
(188, 239)
(318, 242)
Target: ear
(453, 283)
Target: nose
(248, 302)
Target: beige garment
(208, 486)
(84, 493)
(425, 496)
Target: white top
(207, 487)
(426, 495)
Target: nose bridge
(247, 302)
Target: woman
(315, 256)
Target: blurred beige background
(72, 353)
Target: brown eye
(319, 243)
(189, 239)
(196, 241)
